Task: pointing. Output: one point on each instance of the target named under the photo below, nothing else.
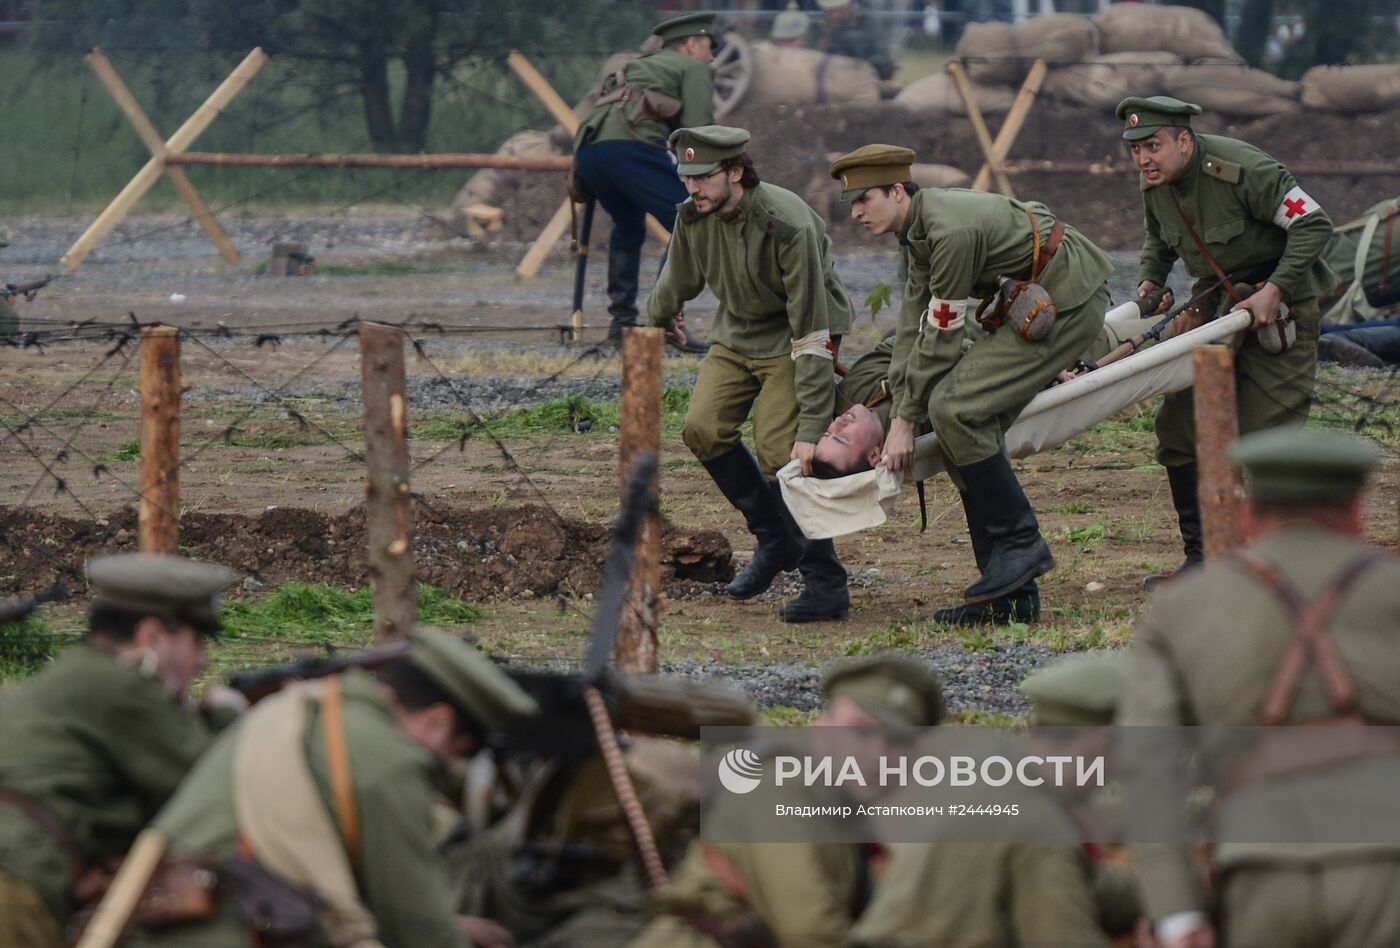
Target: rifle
(1151, 334)
(27, 290)
(17, 610)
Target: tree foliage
(382, 50)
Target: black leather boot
(1018, 552)
(624, 269)
(1023, 605)
(1188, 516)
(743, 485)
(824, 594)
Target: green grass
(130, 450)
(557, 414)
(389, 268)
(27, 646)
(325, 614)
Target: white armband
(814, 344)
(1296, 205)
(946, 315)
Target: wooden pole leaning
(128, 886)
(388, 504)
(1217, 429)
(641, 432)
(184, 136)
(1015, 119)
(158, 512)
(107, 74)
(979, 127)
(565, 116)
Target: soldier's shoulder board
(686, 210)
(1228, 171)
(778, 227)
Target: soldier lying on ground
(93, 745)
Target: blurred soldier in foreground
(314, 815)
(92, 746)
(805, 894)
(1298, 627)
(782, 311)
(1231, 213)
(620, 152)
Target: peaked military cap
(790, 24)
(1305, 466)
(897, 692)
(699, 150)
(681, 27)
(1142, 117)
(474, 683)
(872, 166)
(1083, 690)
(154, 584)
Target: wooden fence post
(388, 506)
(1217, 429)
(158, 513)
(641, 431)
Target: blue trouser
(1392, 323)
(631, 180)
(1382, 341)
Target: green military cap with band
(700, 150)
(1083, 690)
(1289, 465)
(683, 27)
(872, 166)
(898, 692)
(1142, 117)
(474, 683)
(167, 587)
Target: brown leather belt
(50, 824)
(1047, 251)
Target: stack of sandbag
(938, 94)
(1229, 89)
(1103, 81)
(1004, 52)
(788, 74)
(1185, 31)
(476, 208)
(1352, 88)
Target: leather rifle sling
(1230, 288)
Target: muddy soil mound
(792, 145)
(474, 554)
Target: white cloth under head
(833, 507)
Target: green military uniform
(1208, 650)
(93, 745)
(958, 244)
(854, 35)
(620, 154)
(867, 382)
(400, 879)
(806, 894)
(1258, 225)
(782, 311)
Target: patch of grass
(27, 646)
(1092, 533)
(783, 716)
(983, 718)
(389, 268)
(326, 614)
(1078, 507)
(130, 450)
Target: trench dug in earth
(475, 555)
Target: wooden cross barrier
(979, 127)
(558, 224)
(184, 136)
(1006, 135)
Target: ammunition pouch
(282, 914)
(1026, 305)
(639, 105)
(575, 186)
(184, 889)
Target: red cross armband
(946, 315)
(1297, 204)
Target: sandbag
(787, 74)
(1003, 52)
(1105, 80)
(1185, 31)
(1352, 88)
(1236, 91)
(939, 176)
(938, 94)
(494, 186)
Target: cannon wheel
(733, 69)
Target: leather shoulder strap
(1230, 288)
(338, 760)
(1311, 642)
(1035, 243)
